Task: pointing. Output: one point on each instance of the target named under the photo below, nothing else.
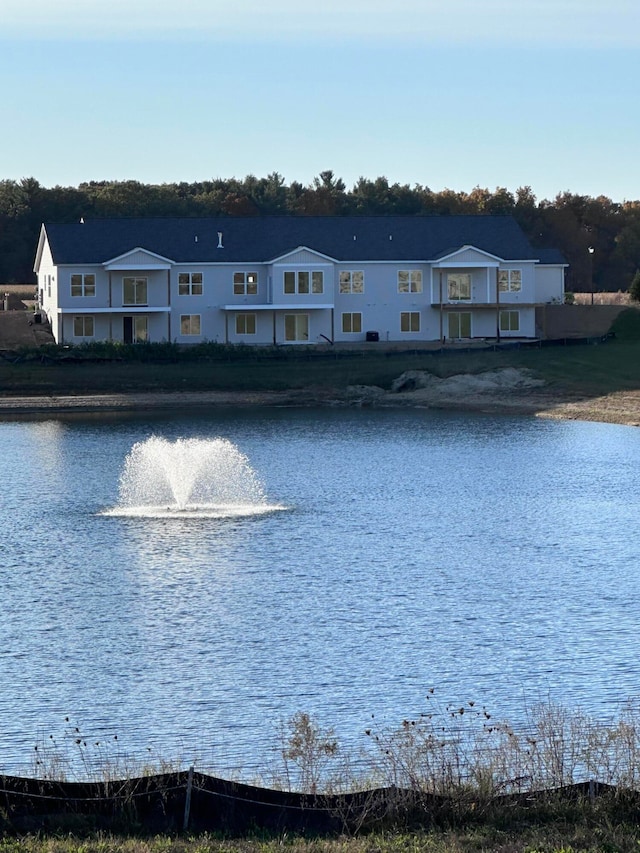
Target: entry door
(460, 324)
(135, 330)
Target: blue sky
(456, 93)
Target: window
(351, 282)
(409, 321)
(81, 285)
(190, 324)
(190, 284)
(134, 291)
(460, 325)
(303, 281)
(245, 324)
(352, 323)
(83, 327)
(509, 321)
(459, 285)
(245, 283)
(296, 327)
(409, 281)
(510, 281)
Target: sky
(450, 94)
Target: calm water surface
(494, 559)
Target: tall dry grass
(460, 749)
(620, 297)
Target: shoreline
(620, 407)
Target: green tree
(634, 287)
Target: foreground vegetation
(585, 369)
(598, 831)
(453, 779)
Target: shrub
(634, 287)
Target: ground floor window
(409, 321)
(245, 324)
(509, 321)
(296, 327)
(460, 325)
(352, 322)
(190, 324)
(83, 327)
(135, 329)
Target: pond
(492, 559)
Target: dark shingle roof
(383, 238)
(550, 256)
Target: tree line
(599, 238)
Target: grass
(565, 830)
(587, 370)
(105, 368)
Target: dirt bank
(509, 392)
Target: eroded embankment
(509, 390)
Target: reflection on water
(488, 557)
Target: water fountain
(189, 477)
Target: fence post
(187, 800)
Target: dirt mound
(465, 384)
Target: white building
(288, 280)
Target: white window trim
(311, 272)
(351, 314)
(452, 275)
(509, 312)
(419, 280)
(350, 273)
(245, 284)
(136, 278)
(84, 318)
(511, 286)
(410, 315)
(190, 284)
(246, 314)
(297, 340)
(190, 318)
(83, 285)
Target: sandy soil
(509, 391)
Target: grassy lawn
(588, 370)
(563, 834)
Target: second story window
(303, 281)
(510, 281)
(459, 286)
(352, 281)
(190, 284)
(83, 285)
(134, 291)
(409, 281)
(245, 283)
